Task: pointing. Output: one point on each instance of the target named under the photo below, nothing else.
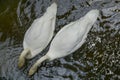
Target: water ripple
(98, 58)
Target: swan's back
(41, 31)
(72, 36)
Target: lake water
(97, 59)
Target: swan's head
(92, 15)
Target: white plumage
(69, 38)
(39, 34)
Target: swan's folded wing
(41, 29)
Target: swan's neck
(22, 57)
(38, 63)
(33, 69)
(25, 53)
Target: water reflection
(98, 58)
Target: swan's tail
(93, 15)
(21, 60)
(52, 10)
(33, 69)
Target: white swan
(68, 39)
(38, 35)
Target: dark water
(97, 59)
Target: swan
(68, 39)
(38, 36)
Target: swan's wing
(41, 30)
(65, 40)
(70, 38)
(47, 20)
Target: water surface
(97, 59)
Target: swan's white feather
(72, 36)
(41, 31)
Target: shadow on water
(98, 58)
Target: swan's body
(69, 38)
(39, 34)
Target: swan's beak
(21, 62)
(32, 70)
